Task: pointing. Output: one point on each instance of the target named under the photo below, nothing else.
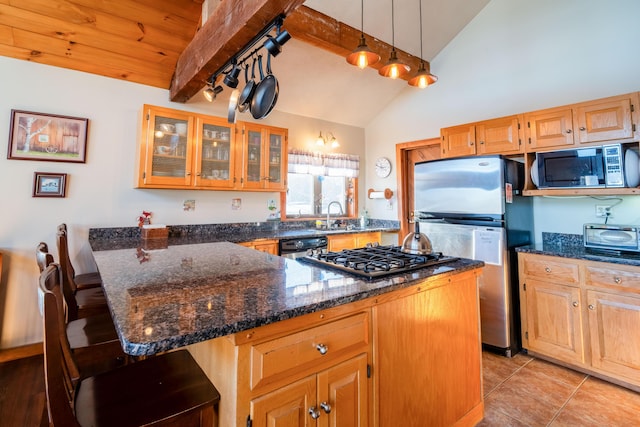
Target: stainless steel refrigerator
(472, 207)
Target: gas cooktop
(374, 261)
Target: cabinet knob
(583, 128)
(471, 144)
(481, 142)
(575, 303)
(568, 130)
(326, 407)
(617, 279)
(547, 269)
(591, 307)
(322, 349)
(315, 414)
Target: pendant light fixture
(393, 68)
(423, 78)
(362, 56)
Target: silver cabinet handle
(591, 307)
(547, 269)
(315, 414)
(617, 279)
(322, 349)
(575, 303)
(481, 142)
(568, 130)
(583, 128)
(326, 407)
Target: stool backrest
(61, 372)
(68, 284)
(43, 257)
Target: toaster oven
(621, 238)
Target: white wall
(100, 193)
(518, 56)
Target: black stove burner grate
(375, 261)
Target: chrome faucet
(329, 212)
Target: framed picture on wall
(46, 184)
(54, 138)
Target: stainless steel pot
(416, 243)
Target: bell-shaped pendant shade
(423, 78)
(362, 56)
(394, 68)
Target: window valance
(327, 164)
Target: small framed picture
(49, 137)
(47, 184)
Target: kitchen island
(280, 338)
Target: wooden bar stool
(80, 281)
(93, 340)
(80, 302)
(169, 389)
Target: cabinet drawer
(628, 280)
(552, 271)
(299, 352)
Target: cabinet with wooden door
(309, 370)
(551, 307)
(264, 154)
(606, 120)
(496, 136)
(184, 150)
(582, 313)
(338, 242)
(269, 246)
(334, 397)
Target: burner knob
(299, 244)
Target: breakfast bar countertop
(183, 294)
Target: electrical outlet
(603, 211)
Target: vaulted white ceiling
(322, 85)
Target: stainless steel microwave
(602, 166)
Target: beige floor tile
(535, 393)
(495, 418)
(496, 369)
(598, 403)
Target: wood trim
(405, 188)
(327, 33)
(22, 352)
(214, 44)
(232, 25)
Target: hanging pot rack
(249, 50)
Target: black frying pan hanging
(266, 93)
(245, 97)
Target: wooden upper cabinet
(549, 128)
(499, 136)
(495, 136)
(458, 141)
(606, 120)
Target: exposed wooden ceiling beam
(232, 25)
(327, 33)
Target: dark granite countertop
(183, 294)
(571, 246)
(120, 238)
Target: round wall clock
(383, 167)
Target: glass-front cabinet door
(264, 157)
(167, 154)
(252, 171)
(215, 154)
(276, 148)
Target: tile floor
(526, 392)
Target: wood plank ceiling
(159, 43)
